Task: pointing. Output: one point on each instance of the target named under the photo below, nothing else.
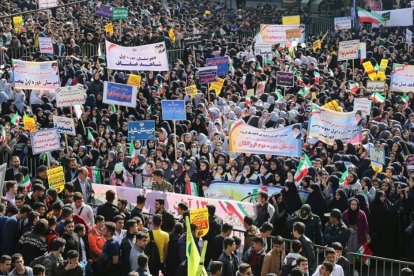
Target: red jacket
(96, 242)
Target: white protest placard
(363, 104)
(70, 95)
(342, 23)
(375, 86)
(348, 50)
(77, 108)
(408, 37)
(264, 50)
(402, 78)
(36, 75)
(151, 57)
(48, 4)
(45, 140)
(376, 154)
(398, 18)
(45, 45)
(363, 50)
(273, 34)
(64, 125)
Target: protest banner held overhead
(120, 94)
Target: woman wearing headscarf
(190, 170)
(83, 155)
(317, 201)
(265, 177)
(248, 176)
(204, 176)
(19, 100)
(340, 201)
(291, 197)
(384, 226)
(367, 189)
(357, 223)
(279, 216)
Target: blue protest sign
(120, 94)
(207, 74)
(141, 130)
(222, 64)
(173, 110)
(104, 11)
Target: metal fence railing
(317, 25)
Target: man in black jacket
(335, 229)
(299, 229)
(83, 185)
(72, 241)
(16, 168)
(168, 220)
(108, 210)
(312, 222)
(127, 242)
(229, 260)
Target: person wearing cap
(335, 229)
(340, 259)
(263, 210)
(313, 223)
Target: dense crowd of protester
(46, 233)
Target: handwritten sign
(29, 123)
(274, 34)
(36, 75)
(291, 20)
(285, 79)
(375, 86)
(64, 125)
(363, 104)
(193, 40)
(207, 74)
(151, 57)
(348, 49)
(376, 154)
(141, 130)
(18, 23)
(327, 126)
(173, 110)
(134, 80)
(45, 45)
(43, 4)
(70, 95)
(199, 217)
(294, 33)
(104, 11)
(222, 64)
(402, 78)
(45, 140)
(191, 90)
(342, 23)
(56, 178)
(120, 94)
(217, 86)
(281, 141)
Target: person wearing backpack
(157, 247)
(53, 259)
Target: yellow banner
(217, 86)
(291, 20)
(109, 28)
(316, 45)
(368, 67)
(29, 123)
(134, 80)
(199, 217)
(18, 23)
(333, 105)
(191, 90)
(381, 75)
(56, 178)
(383, 64)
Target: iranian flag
(377, 98)
(278, 94)
(302, 169)
(304, 91)
(191, 188)
(317, 76)
(27, 183)
(353, 87)
(365, 250)
(94, 174)
(15, 120)
(344, 178)
(365, 16)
